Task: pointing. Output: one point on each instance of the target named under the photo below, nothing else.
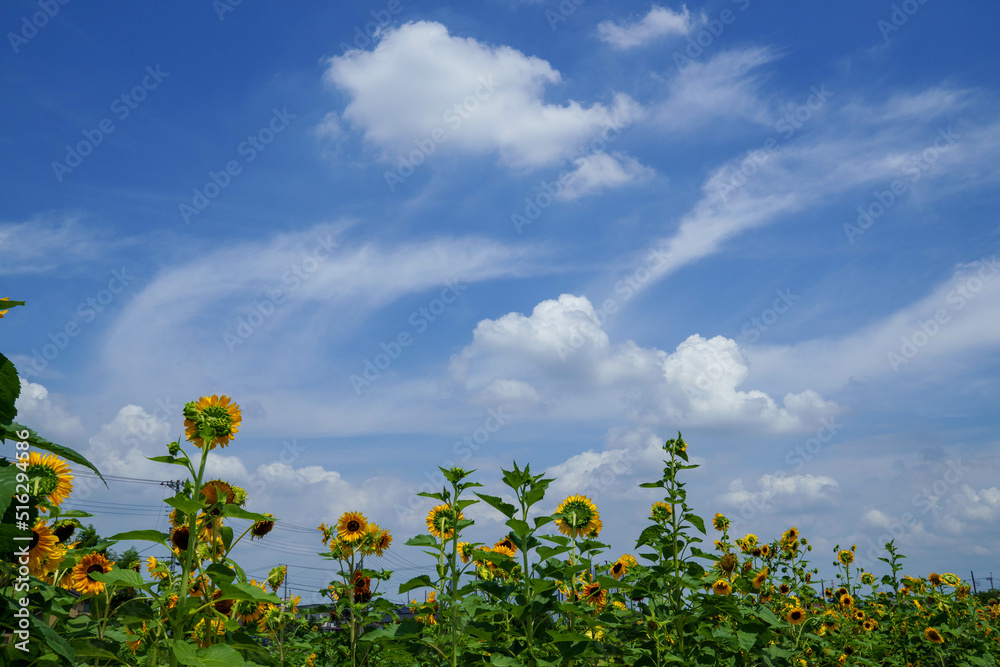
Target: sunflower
(222, 605)
(935, 579)
(722, 587)
(846, 601)
(759, 580)
(217, 492)
(352, 526)
(49, 476)
(64, 529)
(784, 589)
(796, 615)
(134, 644)
(728, 562)
(720, 522)
(428, 605)
(465, 551)
(593, 594)
(276, 577)
(828, 592)
(595, 528)
(48, 566)
(442, 521)
(180, 537)
(248, 611)
(859, 615)
(790, 535)
(577, 516)
(43, 542)
(218, 416)
(382, 542)
(216, 626)
(660, 512)
(624, 563)
(845, 557)
(840, 592)
(362, 587)
(156, 568)
(81, 579)
(178, 518)
(507, 542)
(3, 312)
(868, 625)
(765, 550)
(262, 527)
(933, 636)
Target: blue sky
(770, 226)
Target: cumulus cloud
(46, 413)
(421, 80)
(659, 22)
(780, 491)
(562, 351)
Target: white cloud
(659, 22)
(563, 353)
(723, 87)
(599, 171)
(46, 243)
(956, 318)
(47, 414)
(778, 491)
(485, 99)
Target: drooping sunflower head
(728, 562)
(179, 538)
(846, 557)
(442, 521)
(40, 549)
(722, 587)
(577, 516)
(660, 512)
(382, 541)
(217, 492)
(796, 616)
(465, 551)
(934, 578)
(88, 565)
(352, 526)
(216, 417)
(276, 577)
(49, 476)
(249, 611)
(156, 569)
(595, 528)
(64, 529)
(720, 522)
(760, 579)
(933, 636)
(262, 527)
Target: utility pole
(174, 484)
(974, 591)
(990, 579)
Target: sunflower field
(546, 593)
